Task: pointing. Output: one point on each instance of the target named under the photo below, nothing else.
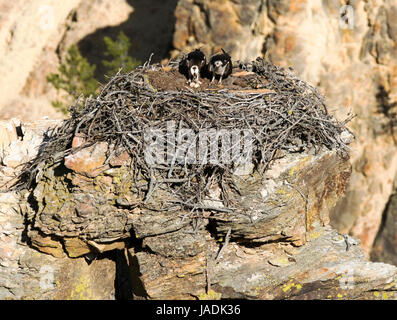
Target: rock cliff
(350, 58)
(92, 212)
(289, 253)
(353, 62)
(26, 273)
(33, 38)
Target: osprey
(193, 66)
(220, 65)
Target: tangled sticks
(280, 112)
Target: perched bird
(220, 65)
(192, 66)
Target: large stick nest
(284, 114)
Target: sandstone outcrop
(349, 54)
(285, 250)
(88, 217)
(26, 273)
(354, 65)
(351, 58)
(240, 27)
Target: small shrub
(117, 53)
(75, 76)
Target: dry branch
(285, 114)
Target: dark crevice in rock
(136, 243)
(388, 109)
(33, 202)
(138, 289)
(27, 220)
(61, 171)
(257, 244)
(211, 228)
(123, 281)
(24, 233)
(384, 248)
(19, 131)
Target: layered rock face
(348, 52)
(26, 273)
(93, 244)
(240, 27)
(254, 233)
(351, 58)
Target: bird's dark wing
(183, 67)
(229, 68)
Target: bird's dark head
(196, 57)
(219, 61)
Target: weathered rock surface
(322, 269)
(268, 256)
(351, 59)
(34, 40)
(280, 246)
(21, 39)
(26, 273)
(294, 199)
(239, 27)
(355, 66)
(285, 206)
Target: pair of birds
(195, 65)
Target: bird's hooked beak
(218, 64)
(194, 71)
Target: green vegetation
(117, 52)
(75, 75)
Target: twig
(227, 238)
(128, 106)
